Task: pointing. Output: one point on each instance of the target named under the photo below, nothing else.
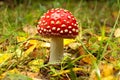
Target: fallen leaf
(106, 72)
(115, 14)
(111, 77)
(88, 59)
(35, 64)
(106, 69)
(68, 71)
(21, 39)
(101, 38)
(30, 30)
(74, 45)
(117, 32)
(32, 44)
(5, 57)
(81, 51)
(68, 41)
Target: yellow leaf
(106, 72)
(28, 51)
(5, 57)
(35, 64)
(33, 41)
(34, 44)
(67, 71)
(106, 69)
(103, 31)
(88, 59)
(101, 38)
(13, 71)
(21, 39)
(68, 41)
(111, 77)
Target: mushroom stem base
(56, 50)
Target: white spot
(66, 30)
(58, 29)
(77, 30)
(61, 31)
(38, 27)
(73, 29)
(58, 11)
(52, 22)
(39, 22)
(61, 9)
(75, 24)
(42, 16)
(63, 25)
(43, 20)
(49, 30)
(69, 17)
(55, 16)
(54, 28)
(52, 15)
(47, 11)
(41, 28)
(40, 31)
(66, 10)
(73, 18)
(64, 20)
(47, 16)
(58, 22)
(70, 32)
(70, 13)
(45, 23)
(68, 22)
(45, 30)
(48, 26)
(69, 27)
(72, 23)
(52, 10)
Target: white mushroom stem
(56, 50)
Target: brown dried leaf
(88, 59)
(115, 14)
(30, 30)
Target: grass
(98, 21)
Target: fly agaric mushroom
(57, 24)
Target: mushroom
(57, 24)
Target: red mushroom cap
(58, 23)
